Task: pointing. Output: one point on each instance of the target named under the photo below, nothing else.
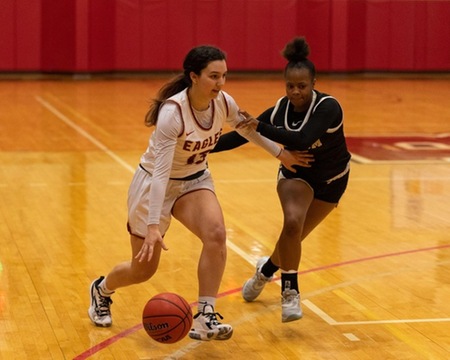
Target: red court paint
(400, 149)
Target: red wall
(153, 35)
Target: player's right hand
(153, 237)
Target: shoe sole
(292, 317)
(210, 335)
(98, 324)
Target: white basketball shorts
(138, 202)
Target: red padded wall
(258, 30)
(81, 36)
(101, 25)
(155, 48)
(436, 54)
(28, 35)
(8, 36)
(181, 28)
(314, 21)
(402, 36)
(153, 35)
(407, 35)
(232, 28)
(128, 34)
(58, 36)
(20, 35)
(347, 43)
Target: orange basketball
(167, 318)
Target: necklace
(205, 117)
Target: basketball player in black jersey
(306, 120)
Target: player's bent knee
(141, 276)
(216, 235)
(292, 227)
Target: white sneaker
(99, 310)
(206, 326)
(290, 306)
(253, 287)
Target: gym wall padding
(154, 35)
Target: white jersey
(187, 135)
(183, 137)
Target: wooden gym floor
(375, 276)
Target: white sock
(104, 291)
(204, 301)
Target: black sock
(289, 281)
(268, 269)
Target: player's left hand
(248, 123)
(289, 158)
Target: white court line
(398, 321)
(250, 259)
(329, 320)
(351, 337)
(320, 313)
(83, 133)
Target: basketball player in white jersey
(173, 179)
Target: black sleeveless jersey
(319, 130)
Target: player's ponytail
(173, 87)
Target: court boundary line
(83, 133)
(330, 321)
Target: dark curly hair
(296, 52)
